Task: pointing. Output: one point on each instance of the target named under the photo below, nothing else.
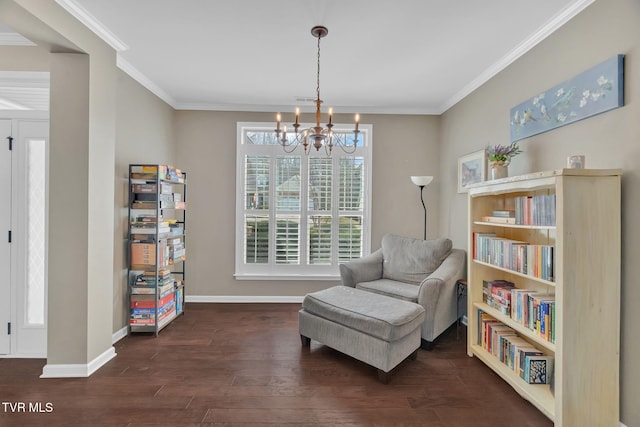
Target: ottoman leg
(305, 341)
(427, 345)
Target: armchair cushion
(411, 260)
(391, 288)
(367, 268)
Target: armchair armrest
(438, 296)
(365, 269)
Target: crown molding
(135, 74)
(286, 108)
(543, 32)
(89, 21)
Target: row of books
(524, 359)
(149, 315)
(152, 198)
(536, 210)
(523, 257)
(536, 311)
(165, 172)
(150, 187)
(167, 311)
(532, 309)
(151, 277)
(139, 301)
(163, 289)
(145, 196)
(149, 224)
(153, 297)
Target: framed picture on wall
(471, 169)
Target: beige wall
(144, 134)
(23, 58)
(81, 179)
(67, 334)
(610, 140)
(206, 141)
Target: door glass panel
(36, 156)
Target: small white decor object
(576, 162)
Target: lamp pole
(425, 212)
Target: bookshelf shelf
(585, 250)
(528, 227)
(538, 394)
(157, 221)
(515, 273)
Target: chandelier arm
(341, 140)
(289, 151)
(297, 140)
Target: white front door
(5, 246)
(29, 235)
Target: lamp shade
(421, 180)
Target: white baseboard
(23, 356)
(118, 335)
(77, 370)
(245, 299)
(622, 424)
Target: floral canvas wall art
(592, 92)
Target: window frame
(303, 270)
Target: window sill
(287, 277)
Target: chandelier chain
(318, 75)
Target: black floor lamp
(422, 181)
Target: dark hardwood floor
(243, 364)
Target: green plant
(503, 153)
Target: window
(299, 216)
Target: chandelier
(316, 136)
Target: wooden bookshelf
(586, 283)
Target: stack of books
(146, 224)
(501, 217)
(497, 294)
(152, 300)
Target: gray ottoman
(378, 330)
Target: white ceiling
(405, 56)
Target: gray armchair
(421, 271)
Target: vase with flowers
(499, 157)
